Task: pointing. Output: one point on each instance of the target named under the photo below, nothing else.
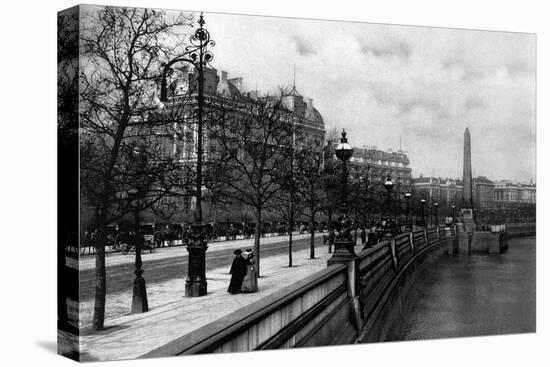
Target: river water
(471, 296)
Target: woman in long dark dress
(238, 271)
(250, 281)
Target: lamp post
(453, 207)
(198, 55)
(422, 217)
(344, 244)
(389, 187)
(436, 215)
(407, 214)
(139, 294)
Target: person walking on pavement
(238, 271)
(250, 281)
(363, 236)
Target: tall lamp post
(389, 187)
(436, 205)
(344, 244)
(422, 217)
(139, 294)
(408, 213)
(198, 55)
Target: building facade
(378, 165)
(486, 194)
(220, 89)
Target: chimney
(237, 82)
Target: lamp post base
(195, 284)
(139, 296)
(344, 250)
(195, 288)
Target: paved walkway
(172, 315)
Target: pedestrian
(363, 236)
(250, 281)
(238, 271)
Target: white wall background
(28, 182)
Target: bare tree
(253, 143)
(330, 182)
(311, 161)
(121, 52)
(287, 201)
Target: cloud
(304, 47)
(383, 82)
(473, 103)
(398, 49)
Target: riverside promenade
(172, 315)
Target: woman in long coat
(250, 281)
(238, 272)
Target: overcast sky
(383, 82)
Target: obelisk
(468, 203)
(467, 172)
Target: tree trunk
(330, 230)
(290, 247)
(312, 232)
(100, 275)
(257, 235)
(290, 227)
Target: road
(120, 277)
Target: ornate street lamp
(344, 151)
(198, 55)
(423, 218)
(436, 205)
(388, 185)
(408, 199)
(344, 244)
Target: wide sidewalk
(172, 315)
(116, 258)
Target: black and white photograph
(245, 183)
(236, 184)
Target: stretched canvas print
(231, 183)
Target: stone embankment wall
(345, 303)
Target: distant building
(380, 164)
(486, 194)
(508, 194)
(437, 189)
(483, 192)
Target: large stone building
(230, 91)
(486, 194)
(379, 164)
